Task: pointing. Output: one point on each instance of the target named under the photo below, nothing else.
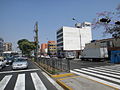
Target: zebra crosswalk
(21, 83)
(37, 82)
(4, 81)
(109, 75)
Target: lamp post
(79, 34)
(36, 41)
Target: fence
(54, 65)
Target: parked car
(2, 62)
(20, 63)
(47, 56)
(10, 60)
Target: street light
(79, 34)
(36, 41)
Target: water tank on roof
(78, 25)
(86, 24)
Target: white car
(20, 63)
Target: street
(27, 79)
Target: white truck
(94, 54)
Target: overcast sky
(17, 17)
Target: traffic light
(105, 20)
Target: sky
(18, 17)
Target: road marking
(102, 76)
(107, 69)
(104, 71)
(20, 83)
(19, 71)
(116, 86)
(52, 81)
(37, 82)
(4, 81)
(101, 72)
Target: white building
(73, 38)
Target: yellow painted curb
(62, 75)
(63, 85)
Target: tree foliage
(110, 21)
(26, 46)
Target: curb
(62, 75)
(43, 69)
(63, 85)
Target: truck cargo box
(94, 53)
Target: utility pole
(36, 41)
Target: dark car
(9, 60)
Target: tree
(26, 46)
(110, 21)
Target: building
(71, 40)
(44, 49)
(7, 46)
(1, 46)
(52, 48)
(111, 44)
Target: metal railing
(55, 64)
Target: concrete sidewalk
(73, 82)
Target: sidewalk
(71, 81)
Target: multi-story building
(7, 46)
(1, 46)
(44, 49)
(52, 48)
(70, 40)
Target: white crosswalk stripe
(97, 79)
(20, 84)
(108, 75)
(105, 71)
(4, 81)
(37, 82)
(108, 69)
(102, 73)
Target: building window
(59, 31)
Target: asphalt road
(27, 79)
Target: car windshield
(20, 60)
(10, 58)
